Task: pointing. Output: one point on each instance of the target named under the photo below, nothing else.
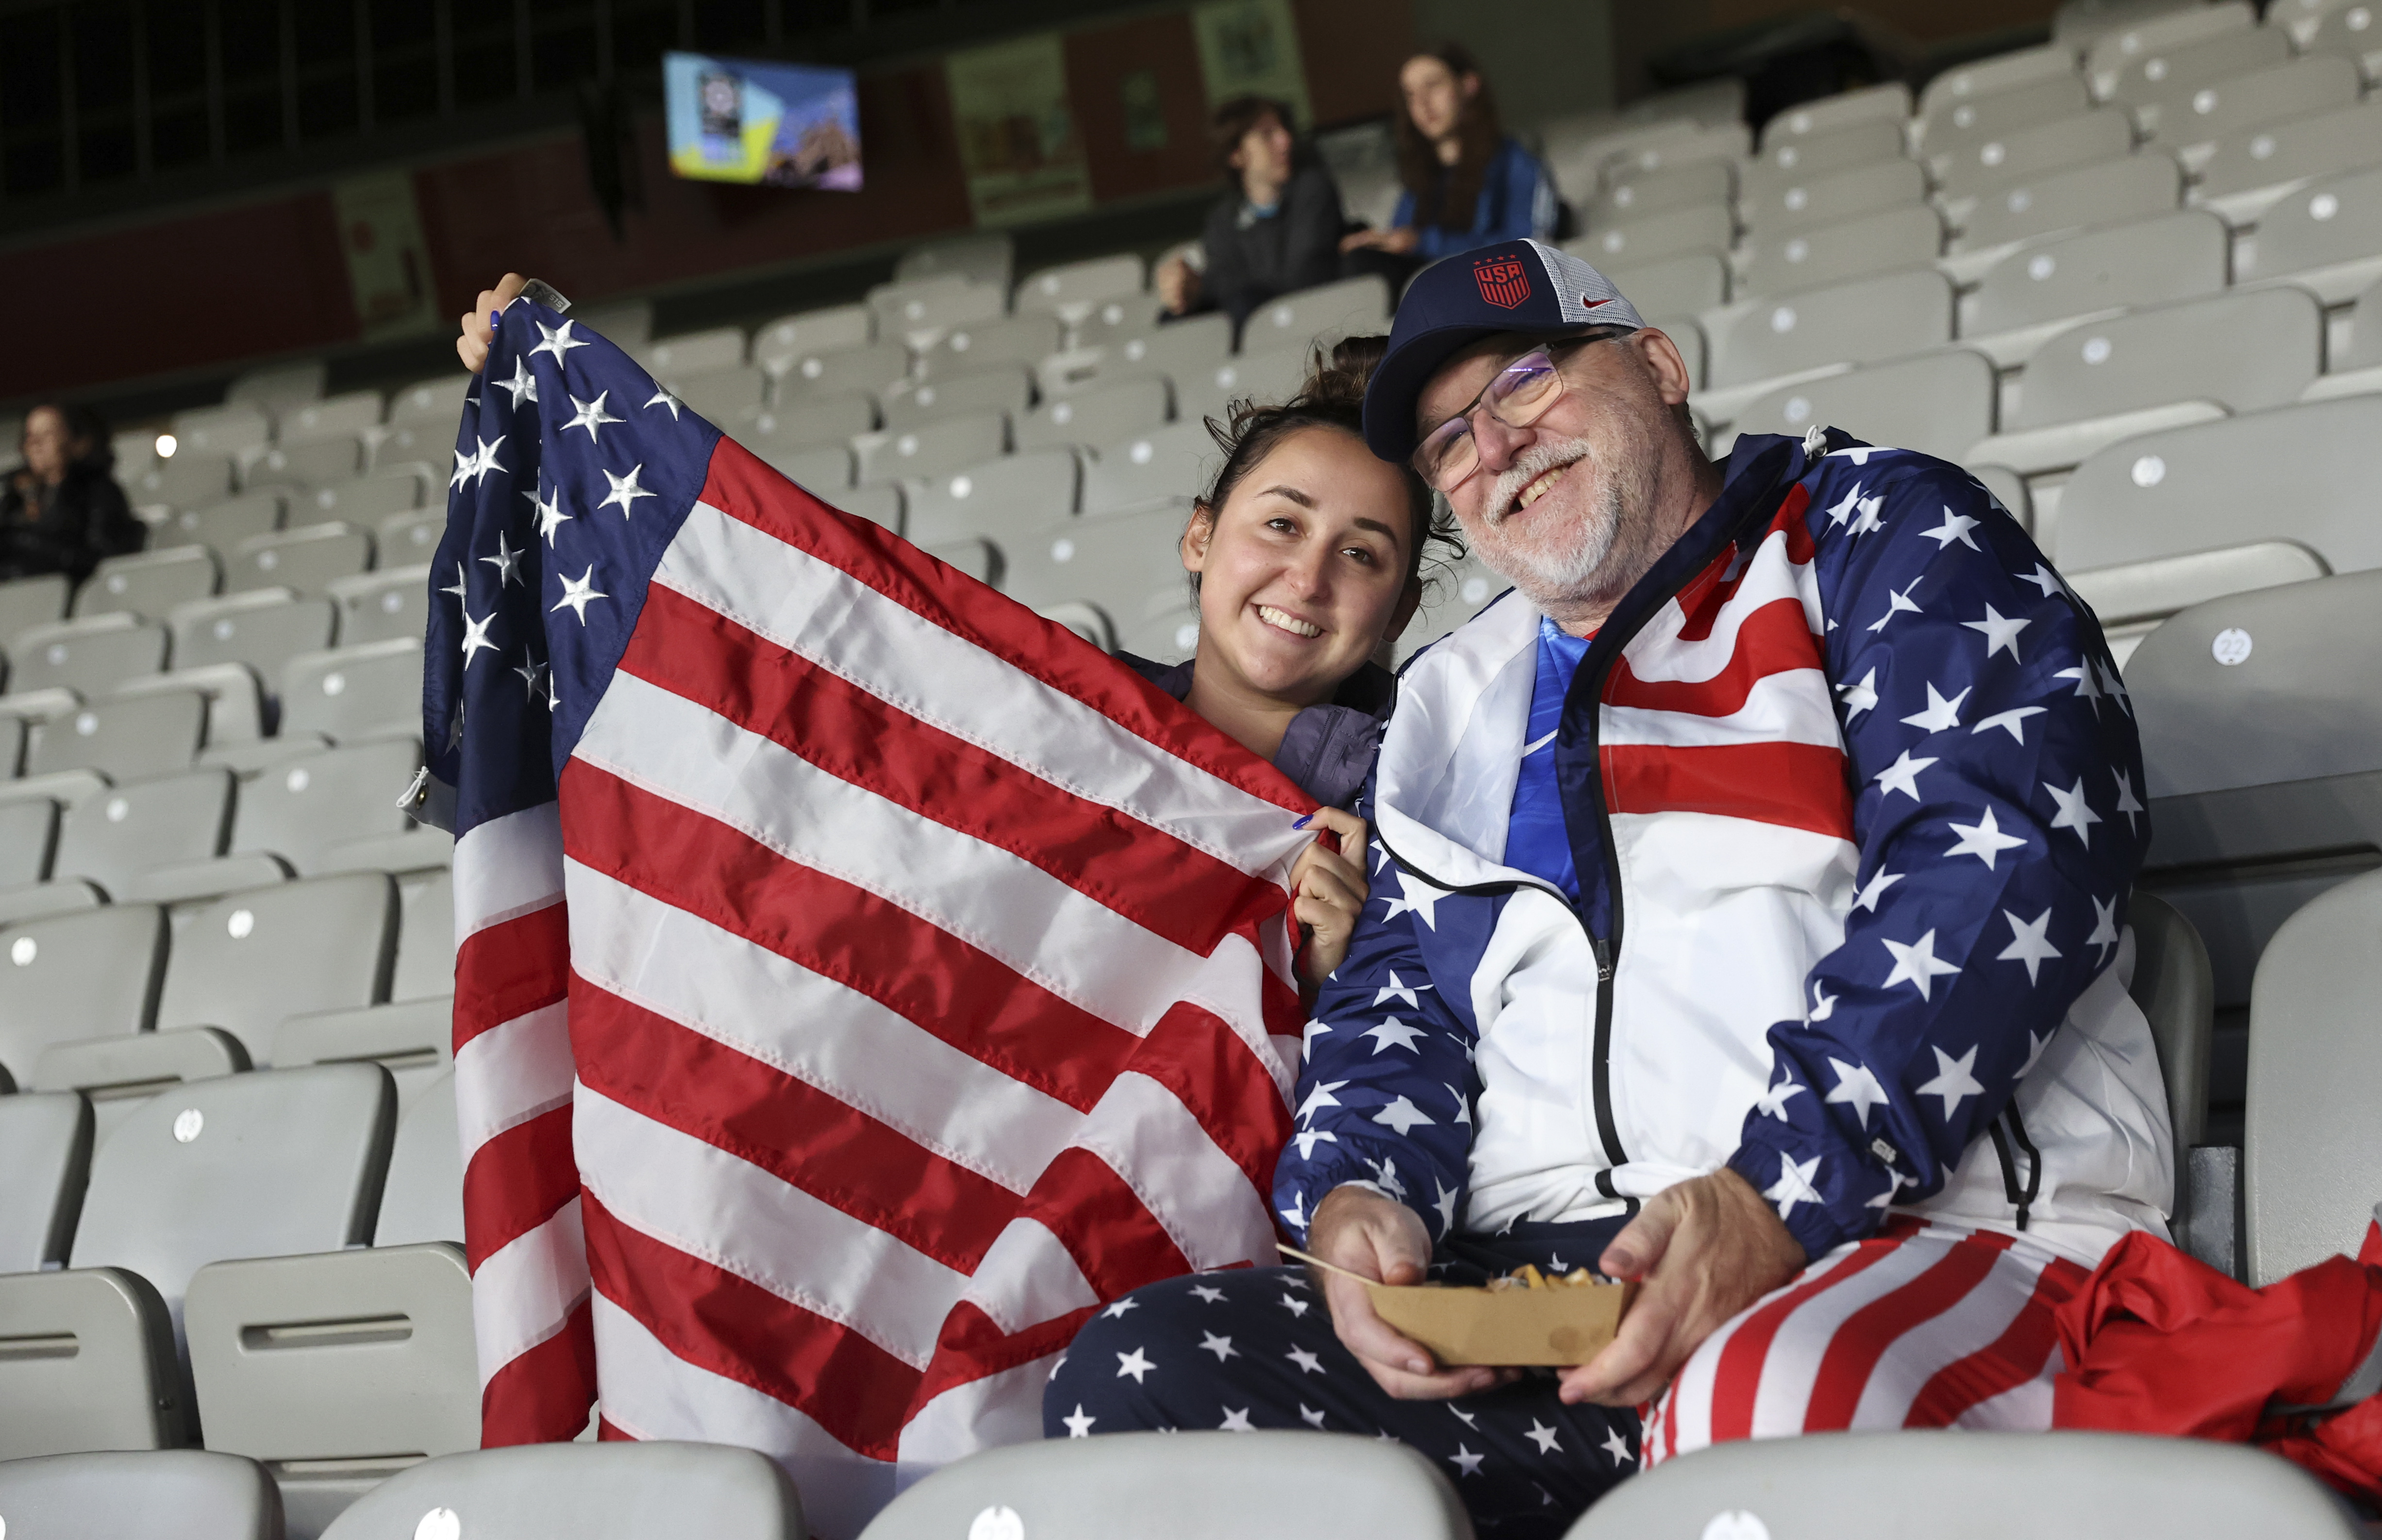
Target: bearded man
(1746, 919)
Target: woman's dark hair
(1446, 195)
(1231, 123)
(1333, 397)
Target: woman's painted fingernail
(1304, 822)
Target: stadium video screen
(751, 120)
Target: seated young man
(1746, 919)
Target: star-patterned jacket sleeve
(1386, 1088)
(1995, 776)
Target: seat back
(1859, 143)
(1889, 102)
(2194, 116)
(361, 500)
(373, 691)
(2156, 74)
(45, 1148)
(1019, 339)
(90, 657)
(1317, 317)
(1839, 250)
(2029, 150)
(722, 394)
(1172, 463)
(2069, 1486)
(223, 524)
(2337, 219)
(386, 606)
(1683, 285)
(306, 560)
(91, 973)
(919, 312)
(91, 1367)
(1073, 289)
(2123, 186)
(1831, 196)
(781, 344)
(439, 397)
(224, 430)
(29, 832)
(300, 807)
(1938, 403)
(1860, 321)
(982, 259)
(1200, 344)
(2244, 170)
(1266, 378)
(808, 422)
(150, 582)
(27, 602)
(411, 1039)
(1125, 563)
(120, 1075)
(193, 1493)
(262, 629)
(1645, 238)
(936, 449)
(424, 1197)
(691, 353)
(1699, 183)
(2312, 1148)
(2144, 261)
(1953, 121)
(113, 836)
(426, 946)
(607, 1491)
(317, 462)
(867, 368)
(2243, 351)
(124, 738)
(2178, 993)
(249, 960)
(338, 416)
(1004, 388)
(1116, 411)
(1257, 1486)
(1000, 500)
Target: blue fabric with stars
(551, 539)
(1995, 775)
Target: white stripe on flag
(1660, 653)
(1153, 1143)
(507, 867)
(987, 1414)
(1792, 1368)
(512, 1073)
(522, 1295)
(1972, 1324)
(1790, 707)
(1026, 1276)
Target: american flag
(860, 980)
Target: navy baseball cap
(1515, 285)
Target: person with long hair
(63, 511)
(1275, 229)
(1468, 182)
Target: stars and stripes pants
(1921, 1326)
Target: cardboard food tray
(1507, 1328)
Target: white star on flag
(1320, 1096)
(1310, 1416)
(1402, 1115)
(1418, 898)
(1843, 510)
(460, 590)
(471, 467)
(1956, 526)
(2028, 944)
(1903, 776)
(1773, 1102)
(550, 516)
(1868, 897)
(524, 384)
(2126, 803)
(1869, 521)
(1313, 1030)
(1221, 1346)
(1295, 1214)
(578, 592)
(1861, 695)
(2113, 684)
(2073, 812)
(1999, 632)
(2034, 1047)
(1212, 1296)
(665, 396)
(1385, 1172)
(1617, 1445)
(1117, 1311)
(1467, 1463)
(1897, 604)
(1446, 1204)
(1895, 1181)
(531, 671)
(475, 636)
(2105, 928)
(1134, 1363)
(1544, 1436)
(591, 415)
(1857, 1086)
(1463, 1107)
(1983, 839)
(1235, 1422)
(507, 561)
(1952, 1082)
(2087, 686)
(1296, 1305)
(1078, 1425)
(1400, 992)
(1307, 1139)
(557, 340)
(1940, 713)
(2012, 719)
(2043, 578)
(1916, 964)
(1308, 1363)
(625, 492)
(1824, 1005)
(1794, 1185)
(1392, 1030)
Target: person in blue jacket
(1467, 181)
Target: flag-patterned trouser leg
(1248, 1349)
(1924, 1325)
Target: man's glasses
(1517, 395)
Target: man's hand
(478, 336)
(1702, 1250)
(1369, 1235)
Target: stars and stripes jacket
(1860, 785)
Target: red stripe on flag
(543, 1394)
(1148, 876)
(1737, 1379)
(2009, 1360)
(1775, 638)
(1800, 785)
(742, 487)
(1192, 1053)
(509, 970)
(1858, 1344)
(973, 1346)
(517, 1180)
(1115, 1240)
(732, 1327)
(1709, 591)
(840, 1157)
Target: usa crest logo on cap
(1503, 281)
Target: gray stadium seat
(628, 323)
(225, 523)
(975, 557)
(1004, 388)
(1889, 102)
(1115, 410)
(723, 394)
(919, 312)
(1324, 314)
(1951, 121)
(189, 476)
(2327, 236)
(423, 1198)
(418, 849)
(184, 883)
(1849, 248)
(2112, 32)
(192, 1493)
(118, 1387)
(94, 973)
(1792, 158)
(1451, 596)
(2311, 1158)
(334, 1412)
(279, 387)
(1835, 195)
(1268, 378)
(984, 259)
(29, 832)
(688, 354)
(149, 583)
(262, 628)
(2123, 186)
(868, 368)
(1073, 289)
(2357, 367)
(1674, 285)
(249, 960)
(1678, 144)
(140, 735)
(1938, 403)
(1646, 238)
(807, 422)
(425, 947)
(384, 605)
(410, 1039)
(26, 602)
(1115, 319)
(340, 416)
(1000, 500)
(1087, 620)
(429, 399)
(2247, 171)
(1853, 323)
(1125, 563)
(2028, 151)
(46, 1141)
(1172, 463)
(2166, 366)
(783, 343)
(1698, 182)
(224, 430)
(2025, 296)
(1868, 1486)
(1189, 346)
(1167, 636)
(607, 1491)
(302, 806)
(825, 468)
(2155, 75)
(319, 462)
(938, 448)
(235, 699)
(113, 837)
(2346, 30)
(89, 657)
(348, 694)
(2176, 991)
(388, 489)
(1260, 1485)
(40, 900)
(2191, 120)
(880, 504)
(306, 560)
(1026, 339)
(120, 1075)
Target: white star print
(460, 591)
(1386, 1173)
(1998, 632)
(1296, 1305)
(1896, 604)
(523, 384)
(2105, 928)
(1952, 1082)
(2126, 803)
(1313, 1030)
(1843, 510)
(1235, 1421)
(1463, 1107)
(2114, 685)
(531, 671)
(1794, 1185)
(1869, 521)
(1446, 1204)
(591, 416)
(1860, 697)
(1308, 1415)
(1402, 1115)
(455, 728)
(1983, 839)
(2034, 1047)
(507, 561)
(578, 592)
(2087, 686)
(2012, 719)
(1903, 776)
(1134, 1363)
(1400, 991)
(1893, 1183)
(625, 492)
(1467, 1463)
(1940, 713)
(1617, 1447)
(1418, 898)
(1221, 1346)
(1078, 1425)
(1392, 1030)
(1320, 1096)
(1868, 897)
(1855, 1085)
(550, 516)
(1308, 1363)
(2043, 578)
(1295, 1214)
(557, 340)
(1212, 1296)
(1773, 1102)
(480, 464)
(1307, 1139)
(1824, 1005)
(2073, 813)
(2028, 944)
(665, 396)
(1116, 1312)
(1956, 526)
(1917, 964)
(553, 695)
(475, 636)
(1544, 1436)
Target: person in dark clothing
(63, 511)
(1277, 227)
(1467, 182)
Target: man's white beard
(1558, 564)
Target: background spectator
(1276, 230)
(1467, 182)
(64, 511)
